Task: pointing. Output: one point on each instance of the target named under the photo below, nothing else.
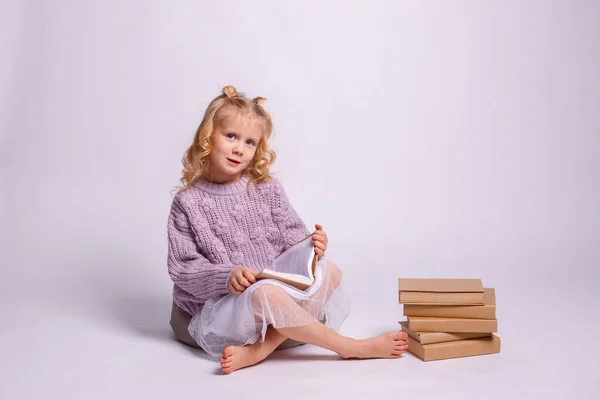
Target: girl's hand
(240, 279)
(319, 239)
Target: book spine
(480, 312)
(453, 325)
(441, 337)
(461, 348)
(430, 298)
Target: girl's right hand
(240, 279)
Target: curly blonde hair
(196, 164)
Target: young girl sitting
(229, 221)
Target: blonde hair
(195, 161)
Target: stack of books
(448, 318)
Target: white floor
(99, 339)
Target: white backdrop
(431, 139)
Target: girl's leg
(387, 345)
(236, 357)
(307, 330)
(332, 279)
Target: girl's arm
(188, 268)
(290, 225)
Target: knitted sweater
(213, 228)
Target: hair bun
(229, 91)
(259, 100)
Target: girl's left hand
(319, 239)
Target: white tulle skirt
(240, 320)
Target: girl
(228, 222)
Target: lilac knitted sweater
(213, 228)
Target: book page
(295, 260)
(287, 278)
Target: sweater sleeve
(188, 268)
(290, 225)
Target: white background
(430, 138)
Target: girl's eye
(250, 142)
(230, 135)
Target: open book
(296, 266)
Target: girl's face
(234, 143)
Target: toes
(402, 336)
(228, 351)
(400, 347)
(227, 362)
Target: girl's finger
(237, 286)
(318, 240)
(234, 290)
(244, 282)
(249, 276)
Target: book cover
(439, 285)
(440, 291)
(486, 311)
(439, 337)
(455, 349)
(433, 298)
(452, 325)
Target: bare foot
(387, 345)
(235, 357)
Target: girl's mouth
(233, 162)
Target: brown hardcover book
(440, 291)
(455, 349)
(439, 337)
(452, 325)
(487, 311)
